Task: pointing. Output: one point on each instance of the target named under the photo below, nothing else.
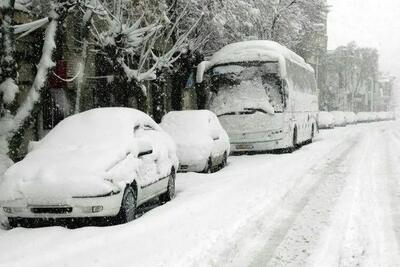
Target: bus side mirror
(201, 69)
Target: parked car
(202, 143)
(325, 120)
(350, 117)
(340, 120)
(100, 163)
(363, 117)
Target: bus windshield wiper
(227, 114)
(245, 111)
(254, 110)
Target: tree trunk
(13, 123)
(8, 64)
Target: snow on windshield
(245, 89)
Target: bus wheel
(294, 145)
(294, 141)
(312, 133)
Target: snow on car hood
(62, 173)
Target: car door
(156, 175)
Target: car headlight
(7, 209)
(112, 193)
(11, 210)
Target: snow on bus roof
(256, 50)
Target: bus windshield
(246, 89)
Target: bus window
(273, 87)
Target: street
(335, 202)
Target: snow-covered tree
(8, 65)
(352, 70)
(139, 40)
(11, 121)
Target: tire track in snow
(311, 218)
(270, 228)
(362, 235)
(393, 182)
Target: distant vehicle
(363, 117)
(326, 120)
(350, 117)
(202, 143)
(264, 95)
(340, 119)
(100, 163)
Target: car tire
(170, 194)
(224, 160)
(209, 167)
(13, 223)
(127, 211)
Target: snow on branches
(138, 40)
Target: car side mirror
(215, 135)
(145, 148)
(136, 127)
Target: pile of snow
(194, 131)
(326, 120)
(85, 151)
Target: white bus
(264, 95)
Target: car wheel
(209, 168)
(127, 212)
(13, 223)
(224, 160)
(170, 194)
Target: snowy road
(335, 202)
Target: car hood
(61, 173)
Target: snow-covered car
(350, 117)
(340, 119)
(363, 117)
(202, 143)
(325, 120)
(100, 163)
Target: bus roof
(260, 50)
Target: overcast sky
(371, 23)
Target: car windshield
(246, 89)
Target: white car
(363, 117)
(202, 143)
(325, 120)
(100, 163)
(340, 120)
(350, 117)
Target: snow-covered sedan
(325, 120)
(340, 119)
(202, 143)
(100, 163)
